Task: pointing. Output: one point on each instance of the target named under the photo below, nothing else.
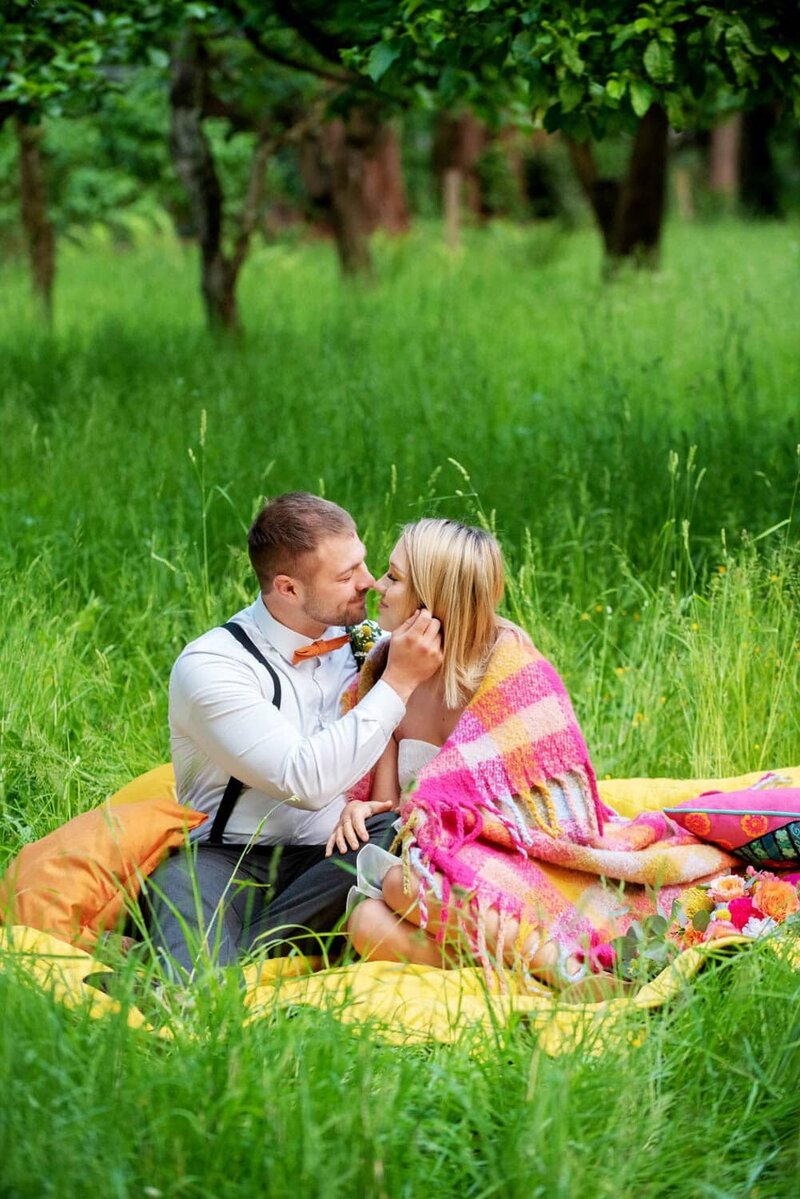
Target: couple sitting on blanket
(456, 739)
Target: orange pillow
(73, 883)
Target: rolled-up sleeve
(247, 737)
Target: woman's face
(397, 602)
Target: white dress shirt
(295, 763)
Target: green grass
(635, 448)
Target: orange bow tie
(317, 648)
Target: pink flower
(794, 879)
(602, 957)
(720, 928)
(730, 886)
(741, 910)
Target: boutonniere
(362, 638)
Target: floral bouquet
(754, 905)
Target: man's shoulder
(218, 642)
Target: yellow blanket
(406, 1004)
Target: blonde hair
(457, 573)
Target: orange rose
(776, 899)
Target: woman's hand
(352, 827)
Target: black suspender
(234, 786)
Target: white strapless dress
(373, 862)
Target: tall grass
(704, 1105)
(635, 448)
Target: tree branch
(256, 40)
(601, 193)
(323, 43)
(266, 146)
(583, 161)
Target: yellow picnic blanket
(405, 1004)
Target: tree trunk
(759, 194)
(457, 146)
(337, 163)
(194, 166)
(630, 214)
(452, 186)
(639, 215)
(684, 192)
(348, 145)
(458, 143)
(723, 158)
(39, 233)
(384, 185)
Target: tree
(206, 84)
(59, 56)
(353, 150)
(352, 171)
(39, 232)
(594, 69)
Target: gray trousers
(209, 903)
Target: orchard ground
(635, 446)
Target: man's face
(333, 581)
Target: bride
(507, 849)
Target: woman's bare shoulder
(507, 629)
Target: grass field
(636, 449)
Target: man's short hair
(289, 527)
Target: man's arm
(216, 702)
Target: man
(259, 742)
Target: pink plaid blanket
(507, 816)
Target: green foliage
(108, 173)
(590, 69)
(60, 56)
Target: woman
(507, 847)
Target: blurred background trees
(278, 119)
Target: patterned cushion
(760, 826)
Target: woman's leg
(377, 933)
(540, 956)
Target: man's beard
(350, 613)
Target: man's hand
(415, 653)
(352, 827)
